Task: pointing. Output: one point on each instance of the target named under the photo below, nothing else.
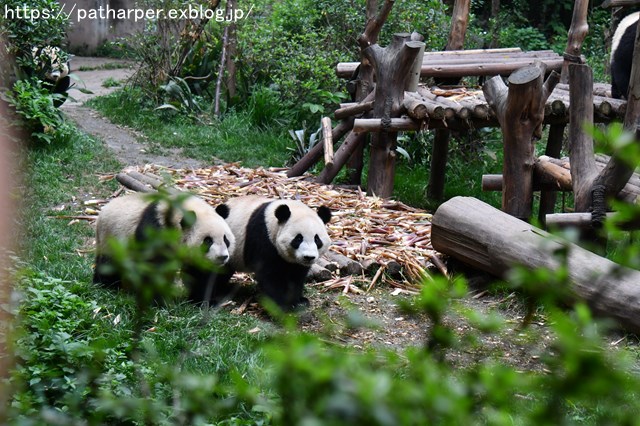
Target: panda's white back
(119, 218)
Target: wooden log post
(315, 153)
(440, 151)
(520, 112)
(327, 141)
(486, 238)
(553, 149)
(617, 172)
(572, 54)
(392, 65)
(581, 154)
(365, 80)
(351, 143)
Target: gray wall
(87, 34)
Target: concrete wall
(89, 30)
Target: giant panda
(277, 240)
(129, 217)
(52, 68)
(622, 55)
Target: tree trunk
(459, 23)
(223, 60)
(581, 155)
(577, 33)
(438, 169)
(486, 238)
(365, 84)
(392, 65)
(232, 52)
(520, 111)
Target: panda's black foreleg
(223, 289)
(106, 279)
(198, 283)
(285, 288)
(207, 286)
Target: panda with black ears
(622, 55)
(132, 215)
(277, 240)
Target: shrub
(36, 107)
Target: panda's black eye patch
(226, 241)
(318, 241)
(207, 242)
(295, 243)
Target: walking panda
(277, 240)
(131, 215)
(622, 55)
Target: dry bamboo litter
(368, 233)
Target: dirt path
(125, 143)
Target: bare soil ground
(390, 327)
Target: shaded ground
(390, 327)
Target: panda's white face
(301, 235)
(210, 231)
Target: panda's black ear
(283, 213)
(223, 210)
(188, 219)
(325, 214)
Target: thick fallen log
(486, 238)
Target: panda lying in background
(277, 240)
(622, 55)
(130, 215)
(52, 67)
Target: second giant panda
(130, 216)
(277, 240)
(622, 55)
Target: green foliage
(40, 117)
(527, 38)
(323, 383)
(295, 45)
(35, 29)
(178, 97)
(111, 82)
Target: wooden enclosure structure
(539, 93)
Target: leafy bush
(36, 106)
(527, 38)
(23, 34)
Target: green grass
(97, 325)
(232, 139)
(111, 82)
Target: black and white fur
(53, 68)
(277, 240)
(622, 55)
(130, 216)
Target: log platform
(475, 62)
(463, 108)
